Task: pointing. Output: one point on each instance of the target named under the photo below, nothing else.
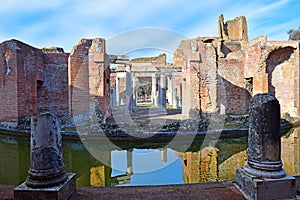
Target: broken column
(264, 177)
(47, 178)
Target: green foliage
(143, 88)
(294, 34)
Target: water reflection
(138, 166)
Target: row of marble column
(129, 171)
(158, 95)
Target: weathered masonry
(32, 80)
(208, 75)
(221, 74)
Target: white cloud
(266, 8)
(65, 22)
(29, 5)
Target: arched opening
(280, 70)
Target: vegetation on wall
(294, 34)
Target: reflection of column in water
(101, 175)
(163, 153)
(129, 162)
(289, 152)
(200, 166)
(297, 150)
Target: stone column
(47, 178)
(117, 91)
(175, 103)
(263, 177)
(129, 162)
(170, 90)
(134, 95)
(153, 92)
(162, 91)
(163, 153)
(129, 95)
(113, 98)
(46, 165)
(264, 137)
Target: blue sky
(64, 22)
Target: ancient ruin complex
(221, 74)
(208, 75)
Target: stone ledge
(263, 188)
(61, 192)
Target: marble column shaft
(129, 95)
(117, 91)
(153, 92)
(162, 93)
(170, 90)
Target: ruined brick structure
(160, 60)
(218, 75)
(89, 78)
(221, 74)
(32, 79)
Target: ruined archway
(280, 66)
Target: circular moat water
(146, 164)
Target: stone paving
(215, 191)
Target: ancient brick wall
(274, 67)
(8, 80)
(280, 66)
(99, 75)
(78, 77)
(160, 60)
(22, 66)
(254, 65)
(199, 73)
(232, 93)
(235, 29)
(30, 64)
(89, 77)
(55, 86)
(31, 81)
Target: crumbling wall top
(161, 59)
(52, 50)
(235, 29)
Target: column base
(254, 187)
(60, 192)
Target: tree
(143, 88)
(294, 34)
